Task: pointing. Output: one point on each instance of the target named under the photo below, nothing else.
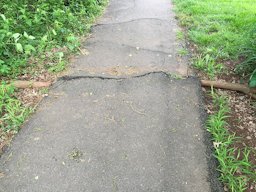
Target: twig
(141, 113)
(30, 84)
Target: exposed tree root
(205, 83)
(230, 86)
(30, 84)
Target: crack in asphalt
(66, 78)
(130, 21)
(69, 78)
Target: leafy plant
(30, 28)
(12, 112)
(183, 52)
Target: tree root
(30, 84)
(230, 86)
(205, 83)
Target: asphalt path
(125, 117)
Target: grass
(221, 30)
(180, 35)
(208, 65)
(183, 52)
(234, 165)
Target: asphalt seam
(69, 78)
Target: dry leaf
(216, 144)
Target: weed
(59, 64)
(12, 112)
(175, 76)
(57, 67)
(208, 65)
(76, 154)
(183, 52)
(234, 165)
(180, 35)
(44, 91)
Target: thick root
(230, 86)
(30, 84)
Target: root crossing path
(120, 120)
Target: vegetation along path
(124, 118)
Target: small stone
(249, 137)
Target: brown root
(230, 86)
(30, 84)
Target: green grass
(183, 52)
(222, 29)
(180, 35)
(234, 165)
(208, 65)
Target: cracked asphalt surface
(132, 38)
(119, 120)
